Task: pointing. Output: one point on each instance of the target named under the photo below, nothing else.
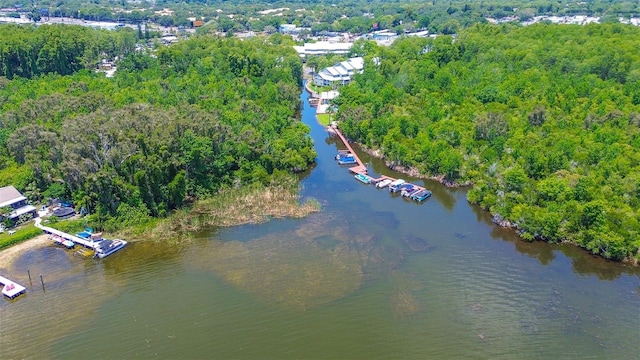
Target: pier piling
(42, 282)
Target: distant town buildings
(576, 20)
(287, 28)
(340, 73)
(164, 12)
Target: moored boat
(395, 185)
(406, 188)
(64, 242)
(384, 183)
(409, 192)
(421, 195)
(345, 158)
(107, 247)
(363, 178)
(10, 288)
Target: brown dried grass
(233, 207)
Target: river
(372, 276)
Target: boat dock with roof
(10, 288)
(360, 171)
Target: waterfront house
(12, 198)
(340, 73)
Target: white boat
(363, 178)
(383, 183)
(395, 185)
(107, 247)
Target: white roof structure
(323, 47)
(329, 95)
(341, 72)
(10, 288)
(9, 195)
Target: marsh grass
(231, 207)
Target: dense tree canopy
(29, 51)
(171, 126)
(544, 120)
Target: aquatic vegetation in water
(321, 260)
(404, 304)
(416, 244)
(288, 271)
(402, 301)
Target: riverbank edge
(231, 207)
(10, 253)
(290, 206)
(496, 218)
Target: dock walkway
(361, 168)
(78, 240)
(11, 289)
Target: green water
(340, 284)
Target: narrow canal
(373, 276)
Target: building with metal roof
(340, 73)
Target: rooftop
(9, 195)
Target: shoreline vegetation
(496, 218)
(230, 207)
(173, 126)
(234, 207)
(546, 131)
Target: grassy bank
(324, 119)
(29, 231)
(22, 233)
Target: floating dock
(361, 169)
(358, 169)
(11, 289)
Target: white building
(287, 28)
(322, 48)
(13, 200)
(340, 73)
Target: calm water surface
(373, 276)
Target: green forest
(172, 126)
(543, 120)
(27, 51)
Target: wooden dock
(358, 169)
(361, 168)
